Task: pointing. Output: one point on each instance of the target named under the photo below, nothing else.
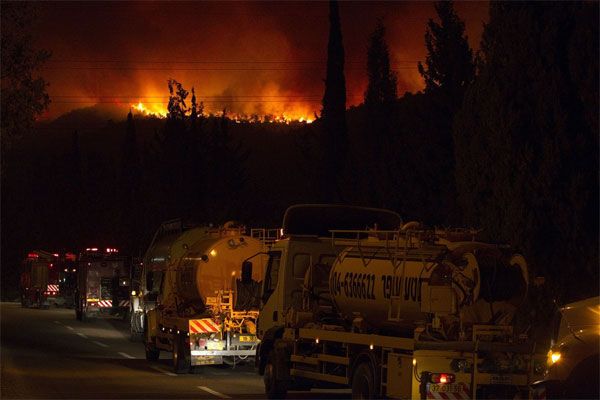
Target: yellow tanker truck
(353, 298)
(200, 287)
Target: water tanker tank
(397, 288)
(214, 264)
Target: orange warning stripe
(205, 325)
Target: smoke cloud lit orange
(254, 59)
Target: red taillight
(442, 378)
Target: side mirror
(246, 272)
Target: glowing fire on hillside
(159, 110)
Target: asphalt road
(49, 354)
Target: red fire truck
(40, 280)
(67, 282)
(103, 284)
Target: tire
(181, 356)
(275, 388)
(363, 382)
(152, 353)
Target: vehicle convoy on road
(199, 294)
(354, 298)
(67, 281)
(146, 282)
(102, 284)
(39, 281)
(573, 359)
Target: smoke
(251, 58)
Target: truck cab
(300, 263)
(39, 280)
(102, 284)
(289, 261)
(573, 359)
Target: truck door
(271, 297)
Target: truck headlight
(553, 357)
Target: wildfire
(159, 111)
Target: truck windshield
(272, 274)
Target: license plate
(445, 388)
(246, 338)
(501, 380)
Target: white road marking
(164, 371)
(70, 327)
(99, 343)
(126, 355)
(58, 322)
(214, 392)
(83, 335)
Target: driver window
(301, 264)
(321, 273)
(272, 274)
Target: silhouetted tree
(382, 87)
(73, 194)
(449, 64)
(374, 152)
(333, 113)
(23, 92)
(23, 98)
(526, 147)
(429, 161)
(130, 187)
(226, 177)
(176, 109)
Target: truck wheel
(275, 388)
(152, 353)
(181, 356)
(363, 382)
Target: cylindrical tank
(167, 250)
(214, 263)
(391, 290)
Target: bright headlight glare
(553, 357)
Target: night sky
(253, 58)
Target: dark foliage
(513, 150)
(23, 93)
(333, 114)
(449, 63)
(382, 88)
(527, 140)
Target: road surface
(49, 354)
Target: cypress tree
(382, 86)
(526, 149)
(449, 64)
(334, 108)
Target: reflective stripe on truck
(204, 325)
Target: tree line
(504, 139)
